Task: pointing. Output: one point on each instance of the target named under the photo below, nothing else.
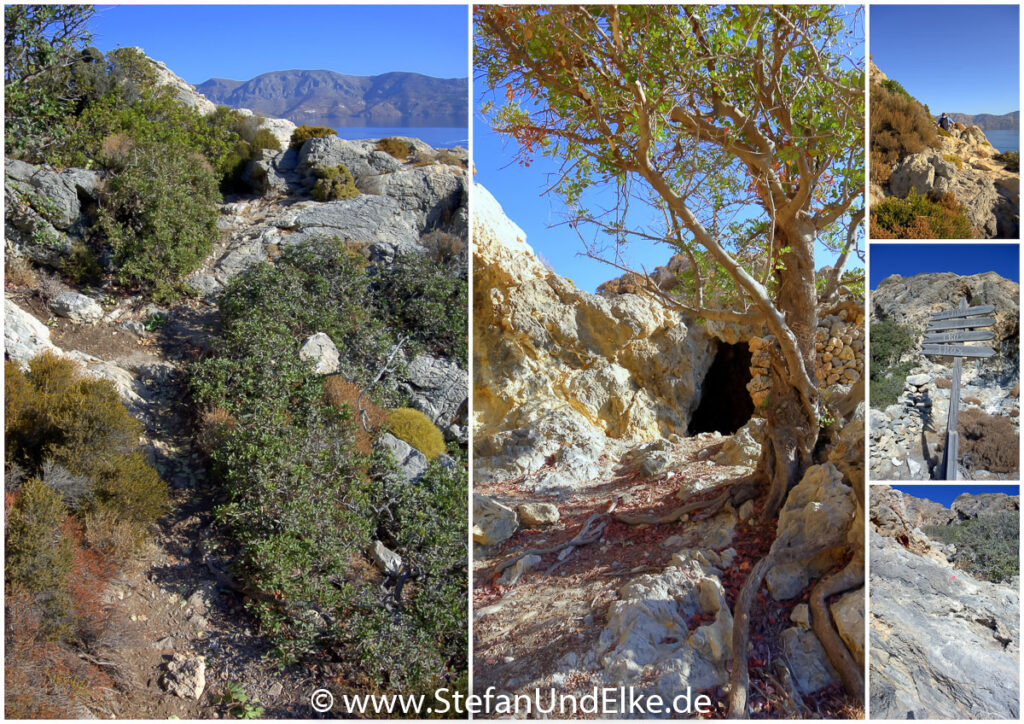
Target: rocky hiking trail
(642, 605)
(177, 602)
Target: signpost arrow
(968, 312)
(979, 335)
(961, 323)
(957, 350)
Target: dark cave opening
(725, 404)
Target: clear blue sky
(946, 494)
(199, 42)
(954, 58)
(908, 260)
(519, 190)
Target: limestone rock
(493, 523)
(744, 447)
(411, 461)
(440, 389)
(322, 352)
(24, 335)
(559, 371)
(808, 662)
(185, 676)
(385, 559)
(942, 645)
(848, 614)
(536, 515)
(979, 505)
(818, 513)
(77, 307)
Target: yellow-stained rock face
(623, 365)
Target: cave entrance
(725, 404)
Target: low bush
(920, 217)
(1010, 160)
(429, 300)
(954, 159)
(303, 133)
(395, 147)
(343, 395)
(881, 170)
(159, 214)
(418, 430)
(264, 140)
(987, 547)
(82, 266)
(900, 125)
(889, 342)
(988, 442)
(65, 427)
(334, 183)
(896, 88)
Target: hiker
(944, 122)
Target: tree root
(852, 576)
(584, 537)
(735, 493)
(739, 683)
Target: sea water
(1004, 140)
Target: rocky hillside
(943, 643)
(988, 121)
(909, 155)
(589, 413)
(907, 435)
(190, 623)
(323, 97)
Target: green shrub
(988, 442)
(55, 416)
(920, 217)
(38, 556)
(889, 342)
(264, 140)
(415, 428)
(943, 132)
(303, 133)
(896, 88)
(953, 159)
(428, 300)
(159, 213)
(82, 267)
(1011, 160)
(987, 547)
(334, 184)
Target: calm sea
(436, 136)
(1004, 140)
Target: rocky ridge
(906, 437)
(963, 165)
(943, 645)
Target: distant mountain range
(988, 122)
(323, 97)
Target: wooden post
(951, 466)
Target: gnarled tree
(741, 125)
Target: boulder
(252, 124)
(378, 220)
(76, 307)
(411, 461)
(493, 523)
(537, 515)
(440, 389)
(817, 514)
(385, 559)
(807, 660)
(743, 448)
(185, 676)
(24, 335)
(848, 614)
(914, 172)
(322, 352)
(979, 505)
(55, 195)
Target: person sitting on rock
(944, 122)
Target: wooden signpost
(940, 342)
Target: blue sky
(908, 260)
(946, 494)
(520, 189)
(239, 42)
(954, 58)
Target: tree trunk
(792, 430)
